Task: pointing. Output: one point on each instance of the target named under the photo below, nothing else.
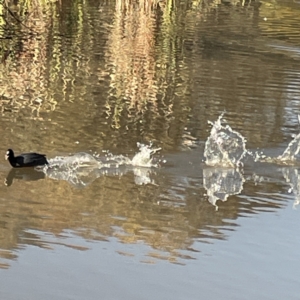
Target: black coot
(25, 159)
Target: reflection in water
(25, 85)
(28, 174)
(292, 177)
(132, 70)
(179, 66)
(168, 215)
(222, 183)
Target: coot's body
(25, 159)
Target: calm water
(100, 78)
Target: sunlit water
(152, 191)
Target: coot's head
(9, 154)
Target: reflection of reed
(131, 58)
(22, 75)
(114, 207)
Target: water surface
(100, 78)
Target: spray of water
(288, 157)
(224, 147)
(292, 150)
(74, 162)
(144, 158)
(82, 168)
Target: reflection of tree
(112, 207)
(131, 60)
(147, 85)
(169, 216)
(23, 71)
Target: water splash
(74, 162)
(83, 168)
(292, 150)
(290, 155)
(224, 147)
(114, 161)
(144, 158)
(78, 169)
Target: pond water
(124, 100)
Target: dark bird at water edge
(25, 159)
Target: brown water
(100, 78)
